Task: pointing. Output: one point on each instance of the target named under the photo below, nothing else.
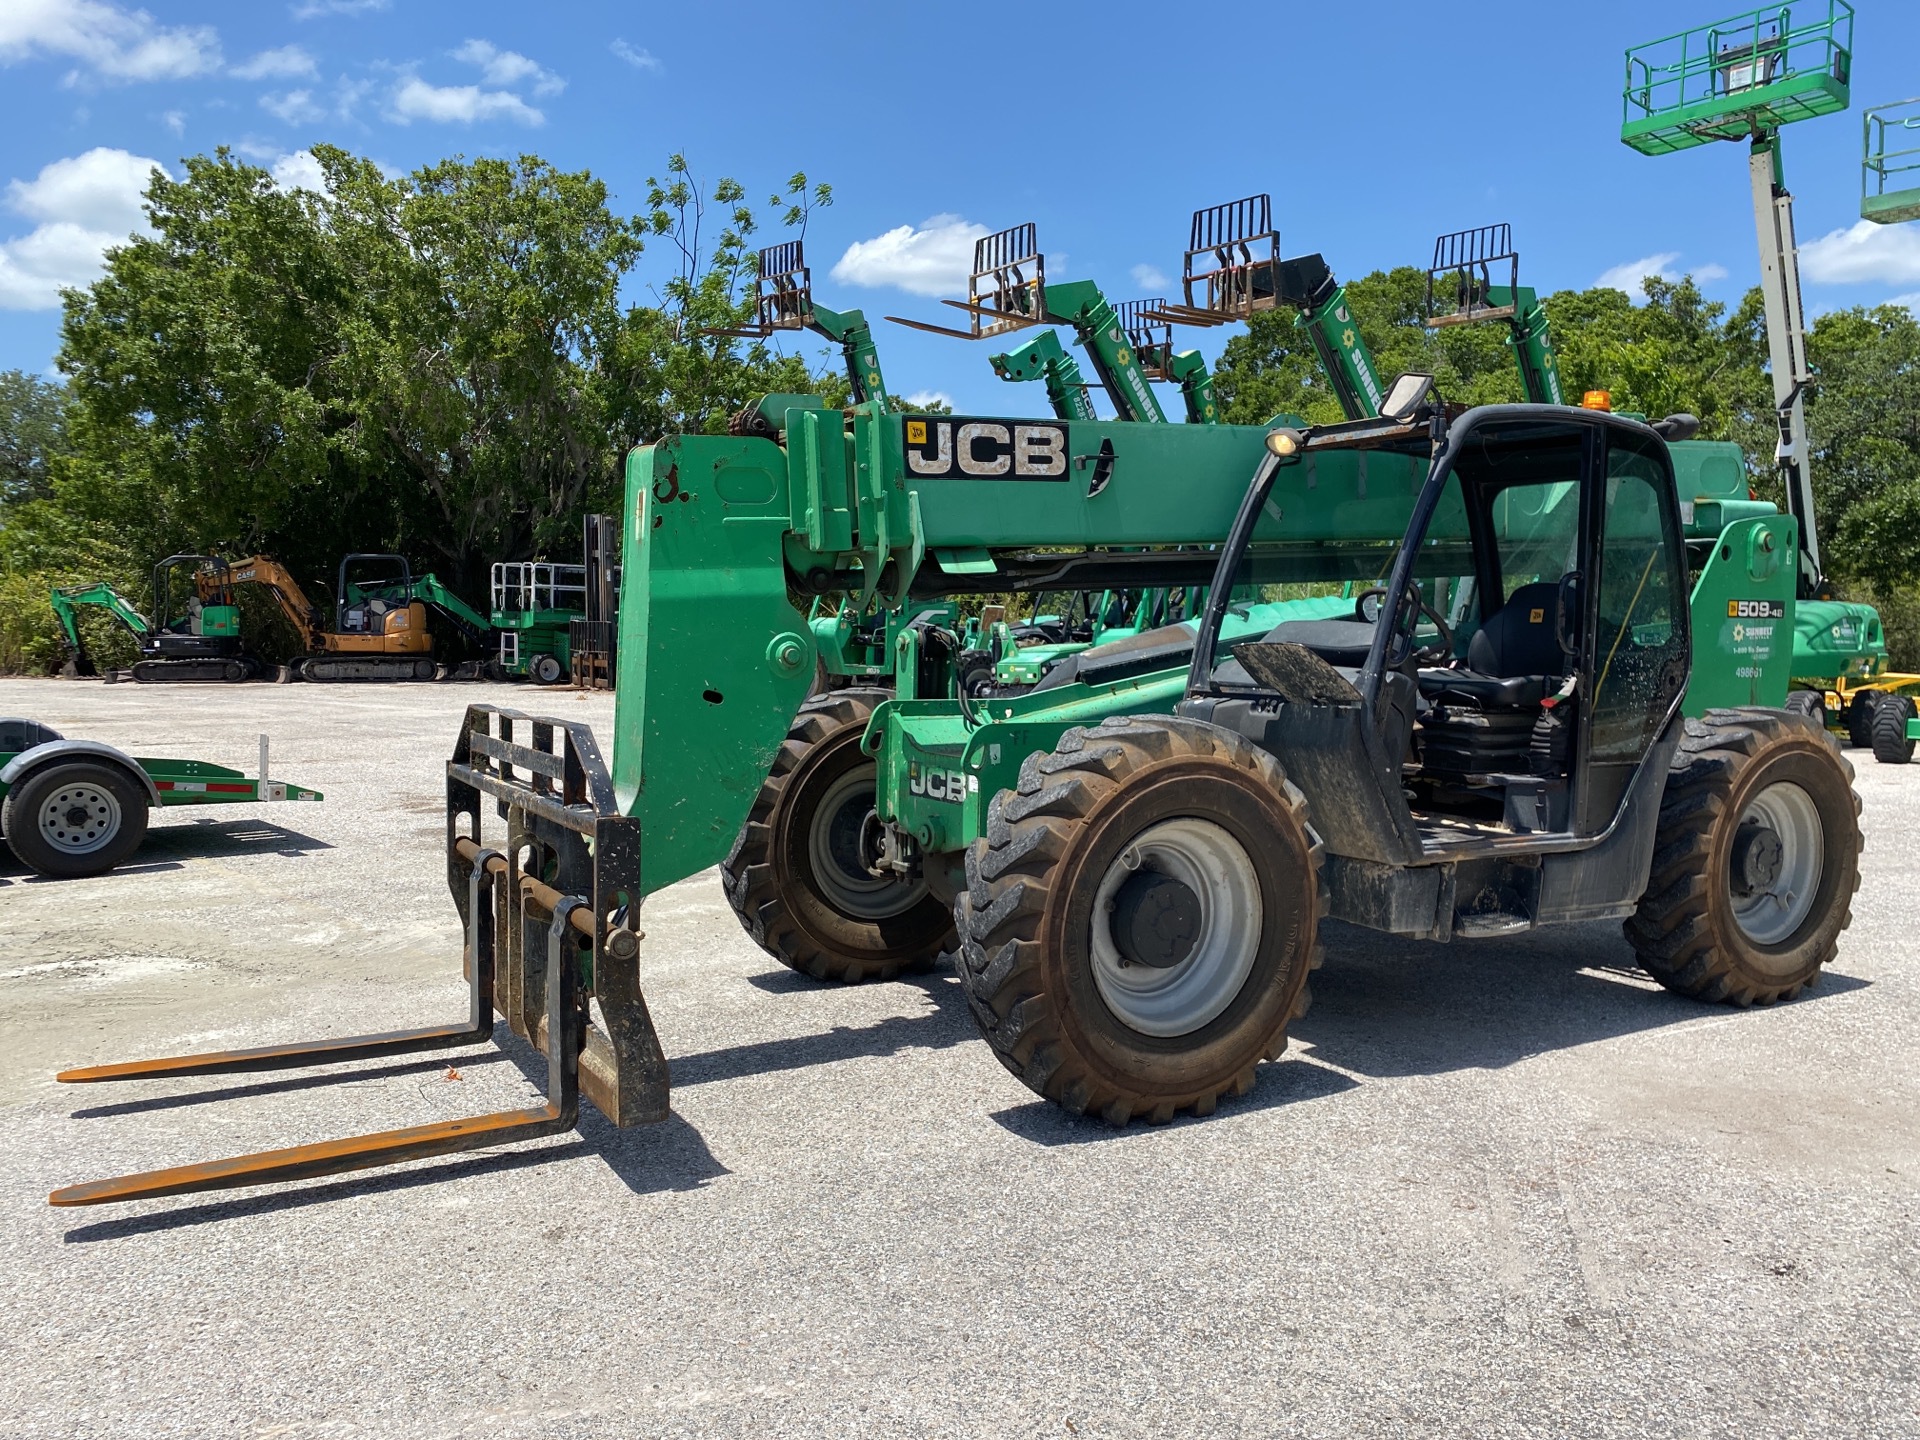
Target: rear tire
(75, 818)
(795, 876)
(1102, 1014)
(1890, 743)
(545, 670)
(1755, 799)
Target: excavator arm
(262, 570)
(67, 602)
(429, 590)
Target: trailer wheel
(1860, 718)
(1140, 918)
(1890, 743)
(545, 670)
(797, 876)
(1755, 861)
(75, 818)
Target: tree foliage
(441, 364)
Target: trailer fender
(26, 761)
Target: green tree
(33, 432)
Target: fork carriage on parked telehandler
(1521, 727)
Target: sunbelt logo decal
(1756, 609)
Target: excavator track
(331, 668)
(228, 671)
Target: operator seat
(1482, 720)
(1514, 658)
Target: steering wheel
(1437, 653)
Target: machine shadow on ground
(1387, 1007)
(170, 847)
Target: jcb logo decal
(1756, 609)
(948, 785)
(940, 449)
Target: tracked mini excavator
(380, 629)
(201, 641)
(1132, 863)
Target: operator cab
(1527, 648)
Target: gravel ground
(1495, 1190)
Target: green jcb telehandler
(1135, 895)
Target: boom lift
(202, 642)
(1564, 751)
(1746, 79)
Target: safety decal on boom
(962, 448)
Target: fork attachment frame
(536, 952)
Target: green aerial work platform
(1738, 77)
(1890, 173)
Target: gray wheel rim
(833, 849)
(1770, 917)
(1182, 998)
(80, 818)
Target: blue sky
(1374, 126)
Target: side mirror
(1677, 427)
(1566, 619)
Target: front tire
(1755, 861)
(797, 876)
(1141, 917)
(545, 670)
(75, 818)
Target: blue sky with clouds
(1374, 126)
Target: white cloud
(1627, 277)
(315, 9)
(1864, 253)
(296, 107)
(921, 399)
(509, 67)
(634, 56)
(100, 189)
(1661, 265)
(112, 43)
(299, 171)
(1150, 280)
(85, 204)
(934, 259)
(460, 104)
(176, 121)
(286, 63)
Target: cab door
(1634, 643)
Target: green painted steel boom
(1307, 283)
(1469, 261)
(1045, 359)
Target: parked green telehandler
(1133, 860)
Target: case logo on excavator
(966, 449)
(1756, 609)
